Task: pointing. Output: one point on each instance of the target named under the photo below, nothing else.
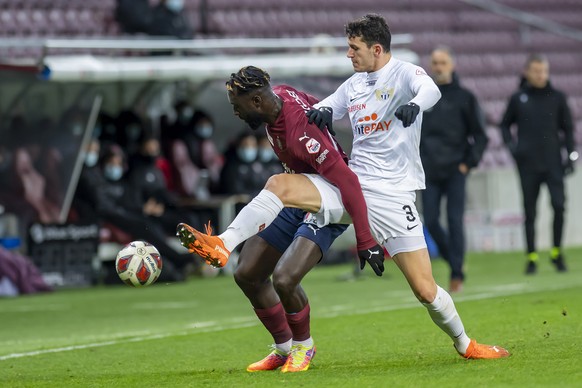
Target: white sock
(443, 312)
(308, 342)
(254, 217)
(285, 347)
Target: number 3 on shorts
(409, 214)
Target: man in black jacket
(540, 113)
(452, 142)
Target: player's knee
(245, 278)
(278, 185)
(425, 293)
(284, 284)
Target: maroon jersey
(304, 148)
(300, 146)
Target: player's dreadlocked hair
(371, 28)
(247, 79)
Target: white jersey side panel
(383, 150)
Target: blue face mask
(247, 155)
(175, 5)
(113, 173)
(204, 131)
(266, 154)
(91, 159)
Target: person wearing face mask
(269, 160)
(130, 129)
(148, 190)
(243, 172)
(111, 202)
(169, 19)
(201, 147)
(91, 177)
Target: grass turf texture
(368, 332)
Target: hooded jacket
(452, 132)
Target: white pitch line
(242, 322)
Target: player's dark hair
(247, 79)
(372, 29)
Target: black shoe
(531, 267)
(560, 264)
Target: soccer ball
(138, 264)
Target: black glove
(375, 257)
(568, 167)
(407, 113)
(322, 117)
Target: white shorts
(394, 220)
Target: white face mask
(247, 155)
(175, 5)
(204, 131)
(266, 154)
(77, 129)
(91, 159)
(113, 173)
(185, 115)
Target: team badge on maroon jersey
(312, 146)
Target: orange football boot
(210, 248)
(299, 359)
(477, 351)
(274, 360)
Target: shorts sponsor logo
(410, 227)
(262, 227)
(304, 136)
(322, 156)
(312, 146)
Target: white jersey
(383, 150)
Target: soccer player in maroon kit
(290, 246)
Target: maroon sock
(299, 324)
(275, 322)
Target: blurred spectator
(86, 197)
(130, 129)
(169, 20)
(196, 130)
(134, 16)
(106, 129)
(267, 157)
(543, 118)
(242, 172)
(32, 186)
(11, 198)
(148, 191)
(113, 195)
(452, 142)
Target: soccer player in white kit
(384, 101)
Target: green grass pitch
(369, 333)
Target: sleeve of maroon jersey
(314, 147)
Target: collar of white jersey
(373, 76)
